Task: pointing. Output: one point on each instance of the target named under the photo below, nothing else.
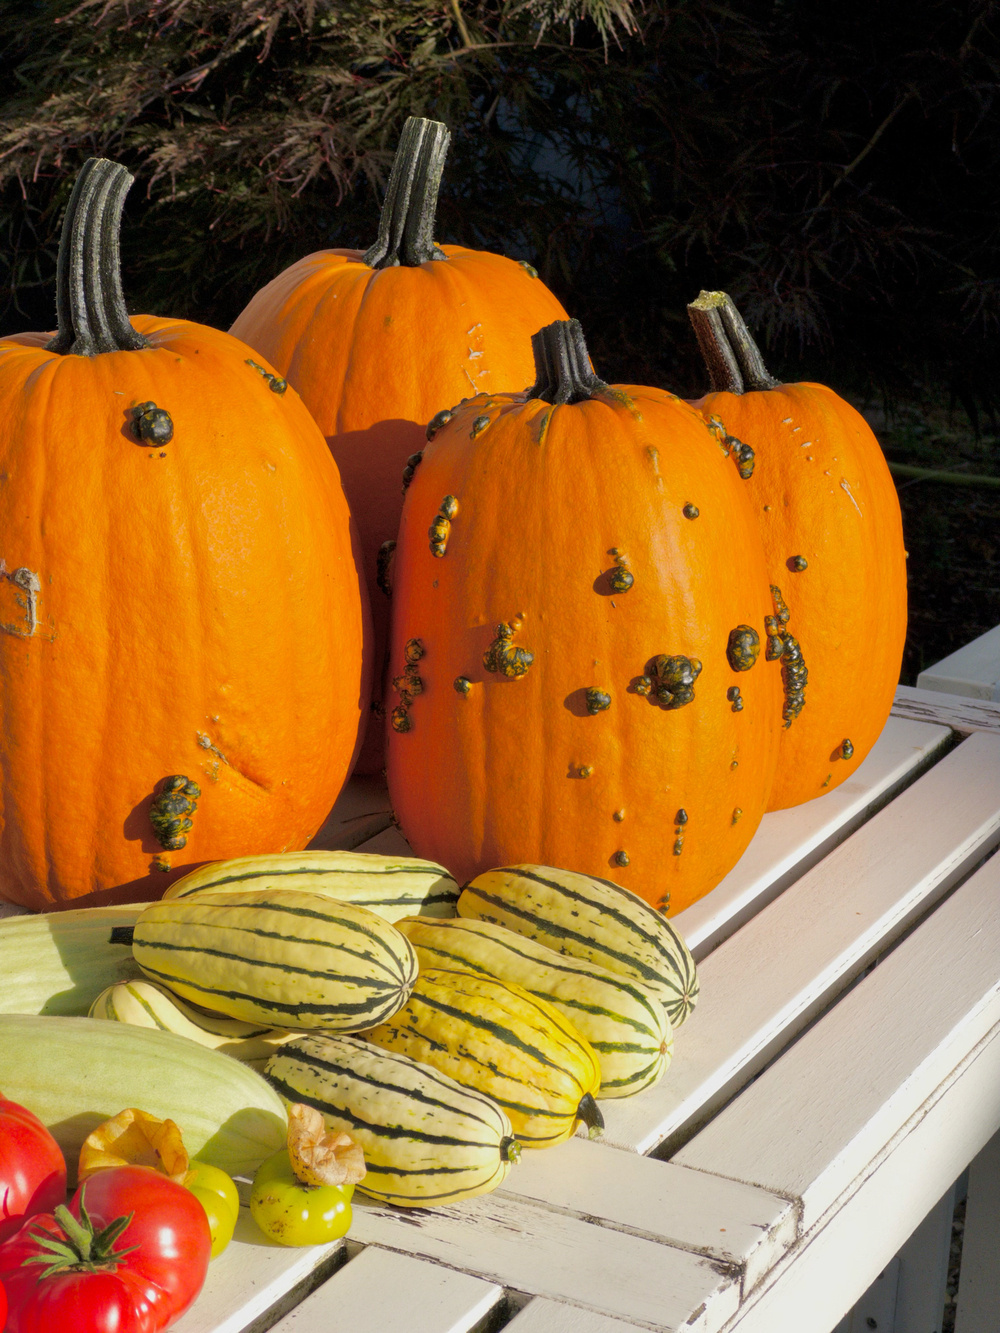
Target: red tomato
(32, 1170)
(148, 1243)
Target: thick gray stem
(90, 307)
(406, 224)
(731, 356)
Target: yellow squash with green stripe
(390, 886)
(426, 1140)
(147, 1004)
(280, 957)
(592, 919)
(625, 1024)
(505, 1042)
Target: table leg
(978, 1308)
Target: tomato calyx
(84, 1249)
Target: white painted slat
(812, 1123)
(382, 1292)
(843, 1253)
(542, 1252)
(788, 842)
(973, 671)
(249, 1278)
(946, 710)
(542, 1316)
(764, 983)
(743, 1227)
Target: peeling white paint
(844, 486)
(29, 585)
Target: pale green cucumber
(59, 962)
(74, 1073)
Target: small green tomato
(297, 1214)
(217, 1194)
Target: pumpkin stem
(732, 358)
(562, 364)
(406, 224)
(89, 302)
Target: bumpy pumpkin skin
(198, 612)
(376, 353)
(823, 495)
(554, 506)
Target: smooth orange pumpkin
(378, 341)
(181, 618)
(828, 513)
(578, 603)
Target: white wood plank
(542, 1316)
(249, 1278)
(978, 1309)
(769, 979)
(946, 710)
(745, 1228)
(814, 1120)
(379, 1292)
(546, 1253)
(843, 1253)
(788, 842)
(973, 671)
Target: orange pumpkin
(378, 341)
(827, 510)
(578, 602)
(181, 669)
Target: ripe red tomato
(148, 1244)
(32, 1170)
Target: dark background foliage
(834, 167)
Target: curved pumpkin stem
(562, 364)
(89, 303)
(406, 224)
(732, 358)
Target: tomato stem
(83, 1249)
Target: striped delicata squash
(503, 1041)
(279, 957)
(592, 919)
(147, 1004)
(389, 886)
(624, 1022)
(426, 1140)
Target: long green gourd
(75, 1073)
(59, 962)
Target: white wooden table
(841, 1069)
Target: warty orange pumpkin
(828, 513)
(377, 341)
(181, 618)
(578, 606)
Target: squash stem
(562, 365)
(90, 307)
(731, 356)
(590, 1113)
(406, 224)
